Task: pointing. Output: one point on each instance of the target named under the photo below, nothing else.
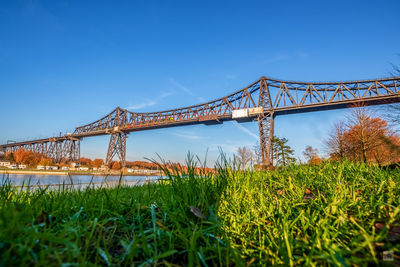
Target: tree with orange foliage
(45, 162)
(116, 165)
(86, 162)
(19, 155)
(364, 133)
(10, 156)
(141, 165)
(30, 158)
(369, 140)
(364, 139)
(97, 163)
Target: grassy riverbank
(338, 214)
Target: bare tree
(244, 156)
(310, 153)
(336, 142)
(257, 154)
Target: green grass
(332, 214)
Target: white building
(65, 168)
(40, 167)
(21, 166)
(51, 168)
(5, 163)
(13, 166)
(83, 168)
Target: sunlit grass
(333, 214)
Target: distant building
(21, 166)
(83, 168)
(51, 168)
(65, 168)
(40, 167)
(5, 163)
(74, 165)
(13, 166)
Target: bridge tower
(117, 146)
(60, 150)
(266, 123)
(70, 150)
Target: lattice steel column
(266, 124)
(73, 150)
(61, 150)
(117, 146)
(266, 129)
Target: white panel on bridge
(240, 113)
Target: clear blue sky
(67, 63)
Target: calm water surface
(81, 181)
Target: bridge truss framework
(261, 101)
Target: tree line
(33, 159)
(29, 158)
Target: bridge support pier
(72, 149)
(117, 146)
(266, 124)
(59, 151)
(266, 129)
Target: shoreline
(40, 172)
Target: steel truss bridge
(261, 101)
